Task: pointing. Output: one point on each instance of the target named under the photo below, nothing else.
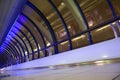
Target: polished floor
(94, 70)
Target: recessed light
(62, 3)
(105, 56)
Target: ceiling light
(35, 49)
(90, 23)
(62, 3)
(48, 44)
(25, 52)
(113, 23)
(69, 27)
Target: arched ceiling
(46, 27)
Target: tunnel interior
(49, 27)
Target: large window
(46, 27)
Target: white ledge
(103, 50)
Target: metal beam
(36, 43)
(62, 19)
(47, 23)
(40, 33)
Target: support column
(118, 25)
(74, 10)
(114, 30)
(79, 16)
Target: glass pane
(35, 55)
(30, 57)
(20, 41)
(28, 35)
(116, 5)
(51, 16)
(69, 18)
(64, 46)
(80, 41)
(95, 11)
(24, 39)
(39, 24)
(102, 34)
(41, 54)
(35, 33)
(50, 51)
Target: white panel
(104, 50)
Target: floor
(95, 70)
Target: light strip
(103, 28)
(64, 42)
(106, 26)
(77, 38)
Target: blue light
(7, 40)
(23, 19)
(10, 33)
(2, 48)
(18, 25)
(15, 30)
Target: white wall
(104, 50)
